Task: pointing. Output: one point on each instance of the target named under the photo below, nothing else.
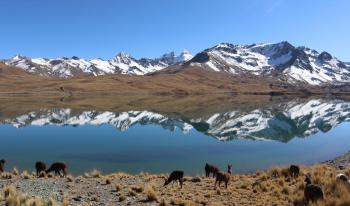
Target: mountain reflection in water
(280, 121)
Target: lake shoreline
(340, 162)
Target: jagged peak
(325, 56)
(169, 55)
(185, 51)
(123, 54)
(224, 45)
(19, 57)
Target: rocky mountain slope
(282, 61)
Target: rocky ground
(271, 187)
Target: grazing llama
(58, 167)
(175, 176)
(210, 169)
(40, 167)
(222, 177)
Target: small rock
(76, 199)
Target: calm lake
(158, 136)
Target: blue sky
(102, 28)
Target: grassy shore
(93, 188)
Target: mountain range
(122, 63)
(280, 61)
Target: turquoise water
(253, 137)
(151, 148)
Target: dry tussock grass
(14, 198)
(271, 187)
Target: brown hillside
(172, 81)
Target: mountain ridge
(122, 63)
(280, 61)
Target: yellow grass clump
(151, 194)
(25, 174)
(108, 180)
(94, 174)
(70, 178)
(15, 171)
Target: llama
(2, 165)
(341, 178)
(294, 170)
(175, 176)
(40, 167)
(312, 192)
(210, 169)
(222, 177)
(58, 167)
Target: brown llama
(2, 165)
(58, 167)
(40, 167)
(210, 169)
(175, 176)
(222, 177)
(294, 170)
(312, 192)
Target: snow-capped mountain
(279, 122)
(281, 60)
(122, 63)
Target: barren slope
(179, 80)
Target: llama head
(166, 182)
(229, 169)
(307, 179)
(342, 177)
